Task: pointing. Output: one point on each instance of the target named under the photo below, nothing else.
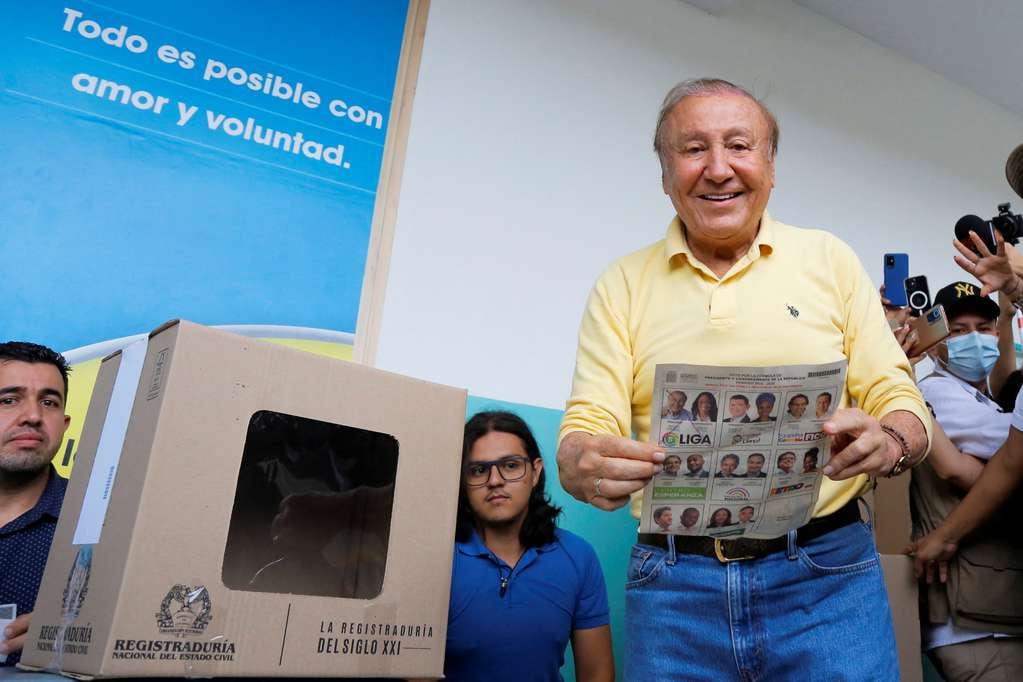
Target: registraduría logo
(77, 585)
(185, 610)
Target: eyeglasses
(511, 468)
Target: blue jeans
(816, 612)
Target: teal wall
(611, 533)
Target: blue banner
(215, 161)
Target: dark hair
(23, 351)
(765, 397)
(541, 514)
(825, 393)
(748, 506)
(732, 457)
(713, 405)
(740, 396)
(799, 395)
(715, 524)
(1006, 397)
(659, 511)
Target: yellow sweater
(797, 297)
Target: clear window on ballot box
(312, 510)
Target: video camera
(1008, 223)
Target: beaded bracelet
(903, 462)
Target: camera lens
(918, 300)
(890, 260)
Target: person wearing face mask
(961, 633)
(957, 388)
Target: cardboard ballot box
(242, 508)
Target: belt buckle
(721, 555)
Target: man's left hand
(14, 634)
(858, 446)
(931, 554)
(994, 270)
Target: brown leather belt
(743, 548)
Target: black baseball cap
(963, 297)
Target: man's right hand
(931, 554)
(604, 470)
(12, 639)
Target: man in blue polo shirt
(33, 388)
(520, 587)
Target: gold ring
(596, 485)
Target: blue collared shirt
(514, 624)
(24, 546)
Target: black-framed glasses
(511, 468)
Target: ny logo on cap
(964, 289)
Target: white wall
(529, 166)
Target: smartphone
(896, 270)
(918, 295)
(931, 328)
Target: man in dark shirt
(33, 390)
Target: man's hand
(993, 270)
(859, 446)
(932, 550)
(605, 470)
(907, 338)
(14, 634)
(892, 312)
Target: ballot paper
(744, 448)
(8, 612)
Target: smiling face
(728, 464)
(500, 501)
(745, 514)
(32, 419)
(717, 168)
(690, 516)
(702, 405)
(764, 407)
(694, 463)
(663, 519)
(737, 407)
(754, 464)
(786, 461)
(797, 406)
(721, 517)
(823, 404)
(676, 401)
(672, 464)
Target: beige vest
(985, 579)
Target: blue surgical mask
(972, 356)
